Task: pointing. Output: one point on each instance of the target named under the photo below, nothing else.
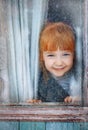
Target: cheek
(48, 63)
(45, 61)
(70, 62)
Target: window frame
(85, 53)
(45, 113)
(39, 112)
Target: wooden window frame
(41, 112)
(44, 113)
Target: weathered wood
(32, 126)
(9, 125)
(66, 126)
(59, 126)
(43, 125)
(44, 113)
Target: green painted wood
(60, 126)
(43, 125)
(70, 126)
(83, 126)
(76, 126)
(64, 126)
(56, 126)
(80, 126)
(67, 126)
(9, 125)
(32, 126)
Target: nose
(58, 61)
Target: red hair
(56, 35)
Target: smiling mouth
(59, 68)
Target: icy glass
(20, 26)
(71, 13)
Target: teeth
(59, 68)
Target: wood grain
(44, 113)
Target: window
(20, 26)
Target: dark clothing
(53, 90)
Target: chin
(59, 75)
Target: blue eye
(50, 55)
(66, 54)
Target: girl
(57, 56)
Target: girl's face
(58, 62)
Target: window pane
(54, 84)
(20, 25)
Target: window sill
(43, 112)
